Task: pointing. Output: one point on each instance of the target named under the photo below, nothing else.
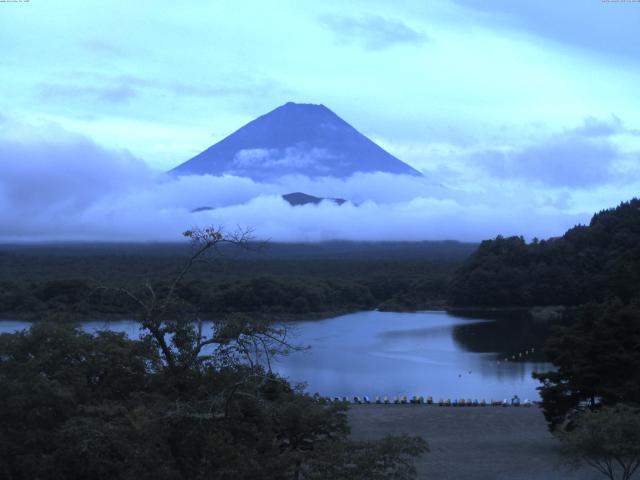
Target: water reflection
(507, 338)
(425, 353)
(514, 340)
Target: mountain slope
(303, 139)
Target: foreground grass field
(490, 443)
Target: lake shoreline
(545, 313)
(541, 312)
(271, 317)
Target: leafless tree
(182, 342)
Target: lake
(388, 353)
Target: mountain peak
(302, 105)
(295, 138)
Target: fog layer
(55, 185)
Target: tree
(597, 363)
(607, 439)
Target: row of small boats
(420, 400)
(518, 356)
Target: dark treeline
(587, 264)
(62, 281)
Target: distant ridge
(299, 198)
(294, 199)
(295, 138)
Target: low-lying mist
(60, 186)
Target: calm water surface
(388, 353)
(426, 353)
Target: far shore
(542, 313)
(274, 317)
(120, 317)
(472, 312)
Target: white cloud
(290, 157)
(250, 157)
(58, 185)
(48, 169)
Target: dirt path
(477, 443)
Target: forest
(67, 281)
(589, 263)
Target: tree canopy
(587, 264)
(597, 362)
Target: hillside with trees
(588, 263)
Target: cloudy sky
(523, 116)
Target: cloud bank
(55, 185)
(585, 156)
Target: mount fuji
(294, 139)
